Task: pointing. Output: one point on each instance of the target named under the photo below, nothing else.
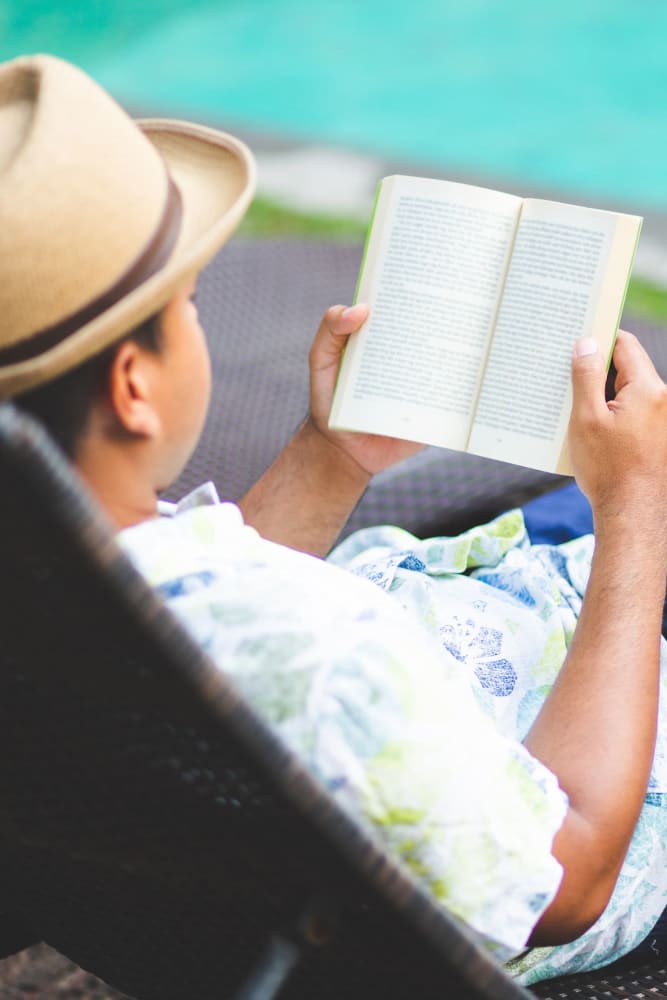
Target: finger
(347, 319)
(631, 361)
(337, 324)
(589, 375)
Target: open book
(477, 298)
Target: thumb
(589, 375)
(337, 324)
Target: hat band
(154, 255)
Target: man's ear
(131, 396)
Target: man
(520, 818)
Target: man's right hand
(619, 448)
(596, 730)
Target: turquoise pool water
(570, 95)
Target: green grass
(268, 218)
(646, 299)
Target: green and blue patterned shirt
(406, 673)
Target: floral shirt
(405, 673)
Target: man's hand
(308, 493)
(596, 730)
(619, 448)
(371, 452)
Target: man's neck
(119, 481)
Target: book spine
(624, 296)
(367, 241)
(335, 405)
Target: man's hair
(64, 405)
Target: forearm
(305, 497)
(596, 731)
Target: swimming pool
(569, 95)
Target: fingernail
(351, 310)
(585, 346)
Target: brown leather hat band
(154, 256)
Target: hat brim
(216, 176)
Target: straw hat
(101, 219)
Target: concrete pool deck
(329, 180)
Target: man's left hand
(372, 452)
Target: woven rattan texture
(151, 828)
(261, 303)
(641, 983)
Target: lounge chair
(151, 828)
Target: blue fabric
(558, 516)
(561, 515)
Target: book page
(555, 292)
(435, 263)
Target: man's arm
(596, 730)
(305, 497)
